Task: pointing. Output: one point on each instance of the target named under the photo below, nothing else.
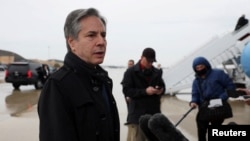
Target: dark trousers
(202, 126)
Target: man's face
(199, 67)
(130, 64)
(146, 63)
(91, 43)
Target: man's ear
(72, 43)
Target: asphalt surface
(19, 119)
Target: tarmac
(25, 126)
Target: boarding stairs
(222, 52)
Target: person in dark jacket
(45, 72)
(208, 84)
(131, 63)
(144, 85)
(76, 103)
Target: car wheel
(38, 84)
(16, 86)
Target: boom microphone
(163, 129)
(143, 123)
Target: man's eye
(91, 35)
(103, 35)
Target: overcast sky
(174, 28)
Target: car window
(34, 66)
(18, 67)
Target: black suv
(24, 73)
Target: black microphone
(143, 124)
(163, 129)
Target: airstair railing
(218, 51)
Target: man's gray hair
(72, 25)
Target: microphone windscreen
(143, 124)
(163, 129)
